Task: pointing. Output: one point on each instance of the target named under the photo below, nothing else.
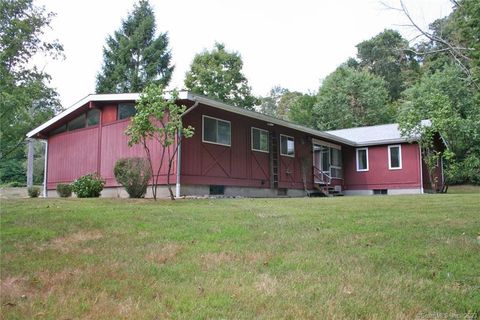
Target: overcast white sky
(292, 43)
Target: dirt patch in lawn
(164, 253)
(75, 240)
(266, 284)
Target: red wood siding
(379, 176)
(115, 146)
(71, 155)
(237, 165)
(76, 153)
(109, 113)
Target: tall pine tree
(134, 57)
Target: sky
(294, 44)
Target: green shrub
(16, 184)
(64, 190)
(133, 174)
(88, 186)
(33, 192)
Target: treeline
(388, 81)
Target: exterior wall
(237, 165)
(379, 176)
(73, 154)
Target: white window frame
(217, 119)
(286, 154)
(251, 140)
(358, 162)
(399, 157)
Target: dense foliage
(134, 56)
(26, 100)
(88, 186)
(133, 174)
(218, 74)
(351, 98)
(33, 192)
(158, 119)
(64, 190)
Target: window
(287, 146)
(394, 157)
(59, 130)
(93, 117)
(216, 131)
(336, 163)
(77, 123)
(217, 190)
(259, 140)
(362, 159)
(126, 110)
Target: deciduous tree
(26, 100)
(351, 98)
(218, 74)
(158, 120)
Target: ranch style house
(234, 152)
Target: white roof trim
(90, 98)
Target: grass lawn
(384, 257)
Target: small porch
(327, 168)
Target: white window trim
(217, 143)
(399, 157)
(358, 162)
(251, 140)
(283, 154)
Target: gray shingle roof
(381, 134)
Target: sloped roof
(373, 135)
(361, 136)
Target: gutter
(179, 153)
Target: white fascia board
(82, 102)
(260, 116)
(386, 141)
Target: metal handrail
(323, 175)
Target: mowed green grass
(383, 257)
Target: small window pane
(287, 146)
(394, 157)
(223, 132)
(362, 159)
(126, 110)
(336, 157)
(59, 130)
(264, 140)
(93, 117)
(209, 129)
(77, 123)
(259, 140)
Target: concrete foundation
(200, 191)
(389, 192)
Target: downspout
(421, 168)
(179, 153)
(45, 169)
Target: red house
(234, 152)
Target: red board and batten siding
(205, 163)
(71, 155)
(379, 176)
(76, 153)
